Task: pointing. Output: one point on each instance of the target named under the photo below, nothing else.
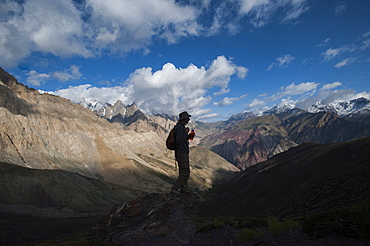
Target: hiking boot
(175, 192)
(186, 191)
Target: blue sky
(212, 58)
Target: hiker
(182, 137)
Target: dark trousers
(184, 170)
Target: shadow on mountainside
(307, 179)
(16, 229)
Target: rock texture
(149, 220)
(250, 141)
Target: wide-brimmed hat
(184, 115)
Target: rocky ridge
(152, 219)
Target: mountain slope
(250, 141)
(253, 139)
(43, 131)
(306, 179)
(69, 194)
(322, 127)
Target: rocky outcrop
(154, 219)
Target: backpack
(170, 142)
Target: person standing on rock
(182, 137)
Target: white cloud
(208, 116)
(262, 11)
(331, 86)
(281, 61)
(345, 62)
(169, 90)
(222, 91)
(89, 28)
(340, 8)
(362, 43)
(66, 28)
(324, 43)
(228, 100)
(301, 88)
(331, 96)
(256, 103)
(73, 73)
(304, 95)
(36, 79)
(331, 53)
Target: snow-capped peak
(342, 108)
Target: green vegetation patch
(277, 226)
(249, 234)
(353, 221)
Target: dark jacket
(181, 138)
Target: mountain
(254, 139)
(306, 179)
(244, 144)
(42, 131)
(321, 127)
(342, 108)
(250, 141)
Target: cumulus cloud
(36, 79)
(89, 28)
(294, 89)
(73, 73)
(67, 28)
(256, 103)
(169, 90)
(287, 94)
(281, 61)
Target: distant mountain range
(246, 138)
(343, 108)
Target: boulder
(160, 218)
